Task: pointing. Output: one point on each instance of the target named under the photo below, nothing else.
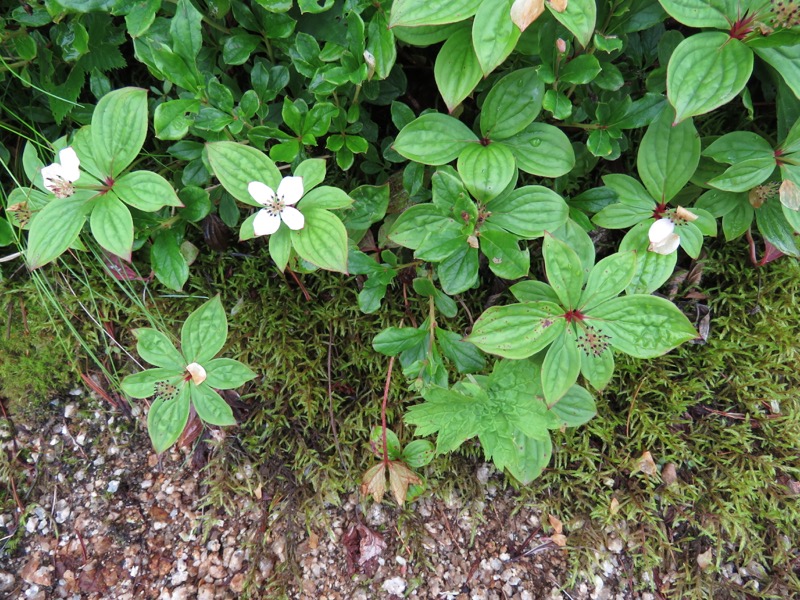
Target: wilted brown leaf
(790, 195)
(646, 464)
(559, 5)
(400, 477)
(374, 482)
(525, 12)
(705, 559)
(556, 523)
(613, 506)
(669, 474)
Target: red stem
(383, 411)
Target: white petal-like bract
(266, 222)
(290, 190)
(293, 218)
(261, 193)
(660, 230)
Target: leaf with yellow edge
(400, 477)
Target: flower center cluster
(593, 341)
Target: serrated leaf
(452, 415)
(465, 356)
(705, 71)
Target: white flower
(197, 372)
(663, 239)
(59, 177)
(277, 206)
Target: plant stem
(383, 411)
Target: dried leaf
(669, 474)
(117, 268)
(558, 5)
(646, 464)
(525, 12)
(400, 477)
(705, 559)
(371, 545)
(613, 507)
(790, 195)
(374, 482)
(556, 523)
(559, 539)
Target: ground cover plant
(465, 164)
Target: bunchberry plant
(186, 379)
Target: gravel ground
(109, 519)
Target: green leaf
(534, 291)
(326, 197)
(119, 128)
(393, 448)
(418, 453)
(7, 236)
(112, 225)
(739, 146)
(786, 61)
(442, 242)
(737, 220)
(506, 260)
(576, 407)
(146, 191)
(486, 170)
(561, 366)
(700, 13)
(705, 71)
(773, 226)
(454, 416)
(410, 13)
(237, 48)
(457, 70)
(322, 241)
(512, 104)
(459, 271)
(494, 34)
(156, 348)
(381, 44)
(170, 120)
(465, 356)
(186, 31)
(528, 211)
(580, 70)
(370, 204)
(204, 332)
(579, 18)
(226, 373)
(564, 271)
(197, 203)
(394, 340)
(532, 457)
(143, 384)
(607, 279)
(744, 176)
(598, 368)
(236, 165)
(415, 224)
(642, 326)
(167, 419)
(312, 171)
(168, 263)
(56, 227)
(652, 269)
(433, 139)
(210, 406)
(542, 149)
(518, 330)
(280, 247)
(668, 156)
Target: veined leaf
(433, 139)
(564, 271)
(167, 419)
(413, 13)
(486, 170)
(518, 330)
(119, 127)
(512, 104)
(322, 241)
(236, 165)
(457, 70)
(204, 332)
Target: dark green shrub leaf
(433, 139)
(512, 104)
(457, 70)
